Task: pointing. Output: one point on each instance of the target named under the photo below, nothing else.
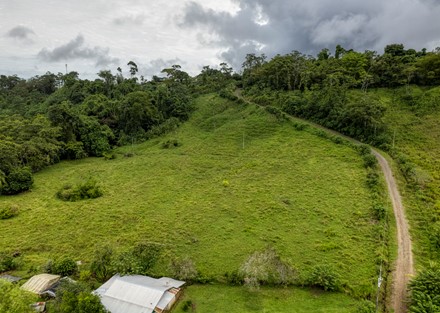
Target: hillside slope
(240, 181)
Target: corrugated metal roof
(135, 293)
(39, 283)
(166, 298)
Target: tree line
(52, 117)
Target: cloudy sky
(89, 35)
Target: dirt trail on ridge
(404, 267)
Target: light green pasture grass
(299, 193)
(218, 298)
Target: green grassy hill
(240, 181)
(414, 123)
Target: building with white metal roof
(139, 294)
(40, 283)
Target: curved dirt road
(404, 262)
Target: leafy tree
(75, 297)
(15, 300)
(133, 68)
(137, 113)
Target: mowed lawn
(239, 182)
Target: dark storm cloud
(75, 49)
(280, 26)
(20, 32)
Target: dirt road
(404, 262)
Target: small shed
(139, 294)
(40, 283)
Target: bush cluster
(8, 212)
(8, 262)
(64, 267)
(171, 143)
(325, 277)
(19, 179)
(87, 190)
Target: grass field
(417, 136)
(215, 298)
(239, 182)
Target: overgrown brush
(87, 190)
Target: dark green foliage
(372, 178)
(13, 299)
(188, 306)
(7, 212)
(379, 212)
(168, 126)
(171, 143)
(75, 297)
(8, 262)
(366, 307)
(227, 94)
(64, 267)
(434, 237)
(139, 260)
(325, 277)
(74, 150)
(87, 190)
(101, 264)
(370, 160)
(234, 278)
(19, 180)
(425, 290)
(109, 156)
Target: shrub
(372, 178)
(379, 212)
(139, 260)
(88, 190)
(63, 267)
(183, 269)
(171, 143)
(8, 262)
(19, 180)
(323, 276)
(234, 278)
(266, 267)
(370, 160)
(187, 306)
(75, 297)
(425, 290)
(363, 149)
(101, 264)
(8, 212)
(109, 156)
(14, 299)
(366, 307)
